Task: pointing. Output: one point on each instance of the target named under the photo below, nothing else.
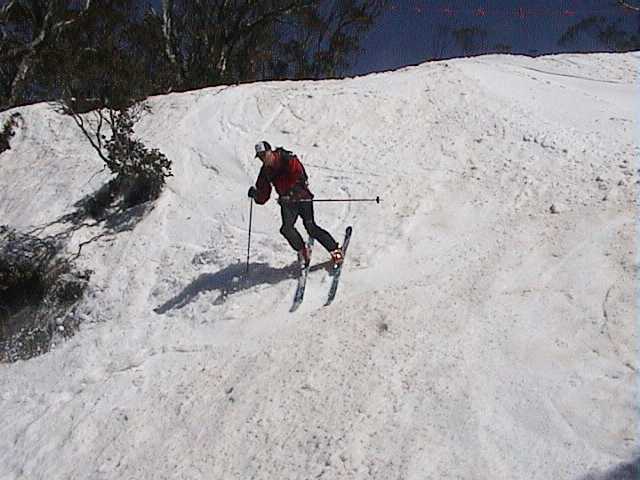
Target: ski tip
(349, 229)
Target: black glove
(252, 192)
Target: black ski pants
(290, 213)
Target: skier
(283, 169)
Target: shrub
(38, 287)
(7, 131)
(140, 172)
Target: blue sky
(407, 34)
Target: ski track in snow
(475, 334)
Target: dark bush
(140, 172)
(7, 131)
(38, 287)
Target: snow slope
(475, 334)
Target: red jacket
(288, 177)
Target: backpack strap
(289, 156)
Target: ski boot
(337, 256)
(304, 255)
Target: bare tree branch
(624, 4)
(170, 47)
(96, 142)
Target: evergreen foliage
(112, 51)
(38, 288)
(139, 172)
(7, 131)
(609, 33)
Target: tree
(441, 39)
(28, 28)
(139, 173)
(471, 39)
(50, 46)
(502, 48)
(609, 33)
(113, 51)
(213, 41)
(105, 56)
(322, 40)
(629, 6)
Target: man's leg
(289, 216)
(305, 210)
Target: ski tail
(302, 279)
(337, 268)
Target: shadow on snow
(624, 471)
(230, 280)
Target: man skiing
(283, 169)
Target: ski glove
(252, 192)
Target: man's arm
(263, 185)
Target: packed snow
(484, 327)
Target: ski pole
(249, 243)
(313, 200)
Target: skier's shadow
(228, 281)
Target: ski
(302, 279)
(337, 269)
